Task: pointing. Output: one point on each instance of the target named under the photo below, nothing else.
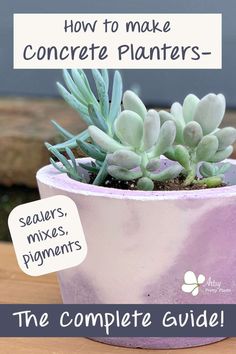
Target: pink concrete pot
(140, 244)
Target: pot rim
(49, 176)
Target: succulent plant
(99, 112)
(199, 140)
(142, 140)
(128, 144)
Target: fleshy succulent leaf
(167, 174)
(153, 164)
(97, 118)
(102, 139)
(125, 159)
(210, 112)
(226, 136)
(151, 129)
(224, 167)
(82, 84)
(74, 103)
(166, 116)
(207, 169)
(105, 76)
(123, 173)
(177, 112)
(189, 107)
(69, 167)
(145, 184)
(210, 182)
(102, 174)
(207, 148)
(63, 132)
(182, 156)
(91, 150)
(116, 97)
(192, 134)
(85, 80)
(72, 87)
(71, 143)
(170, 153)
(166, 138)
(89, 167)
(132, 102)
(101, 86)
(129, 128)
(57, 165)
(222, 154)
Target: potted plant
(155, 199)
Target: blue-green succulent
(100, 111)
(128, 144)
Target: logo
(192, 282)
(213, 286)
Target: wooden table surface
(16, 287)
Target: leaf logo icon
(192, 282)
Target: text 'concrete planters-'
(141, 244)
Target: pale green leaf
(210, 112)
(116, 97)
(151, 129)
(132, 102)
(123, 173)
(226, 136)
(207, 148)
(192, 134)
(125, 159)
(129, 128)
(189, 107)
(106, 143)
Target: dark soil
(172, 185)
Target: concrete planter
(140, 245)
